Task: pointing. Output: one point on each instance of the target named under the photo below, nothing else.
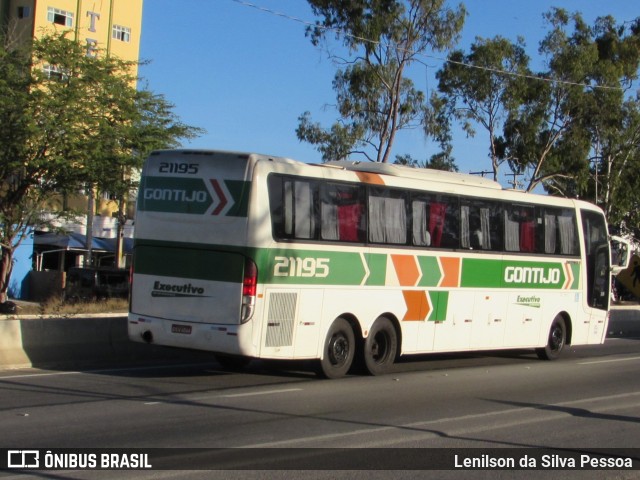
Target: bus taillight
(249, 287)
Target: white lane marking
(105, 370)
(594, 362)
(29, 375)
(228, 395)
(266, 392)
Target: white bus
(252, 256)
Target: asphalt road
(502, 404)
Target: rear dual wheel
(380, 347)
(378, 352)
(339, 350)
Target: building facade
(112, 26)
(103, 27)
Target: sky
(245, 74)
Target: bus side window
(520, 229)
(276, 206)
(342, 213)
(420, 216)
(387, 216)
(291, 203)
(560, 232)
(567, 230)
(480, 225)
(435, 221)
(445, 212)
(303, 223)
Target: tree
(67, 121)
(553, 132)
(481, 87)
(616, 162)
(140, 122)
(375, 97)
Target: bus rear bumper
(229, 339)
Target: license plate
(185, 329)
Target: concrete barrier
(11, 352)
(78, 341)
(625, 321)
(92, 340)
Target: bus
(353, 264)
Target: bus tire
(380, 347)
(339, 350)
(556, 340)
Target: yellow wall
(92, 20)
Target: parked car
(101, 283)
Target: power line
(432, 57)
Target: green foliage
(375, 98)
(481, 87)
(574, 127)
(69, 120)
(442, 161)
(554, 132)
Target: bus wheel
(556, 341)
(339, 350)
(380, 347)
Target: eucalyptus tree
(481, 87)
(554, 133)
(375, 97)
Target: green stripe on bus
(174, 195)
(431, 274)
(315, 267)
(189, 263)
(193, 196)
(239, 191)
(515, 274)
(311, 267)
(575, 271)
(377, 264)
(440, 303)
(477, 272)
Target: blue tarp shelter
(19, 285)
(78, 241)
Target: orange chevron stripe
(406, 269)
(450, 272)
(372, 178)
(418, 307)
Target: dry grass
(56, 306)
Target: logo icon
(23, 458)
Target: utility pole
(88, 261)
(595, 165)
(514, 183)
(482, 173)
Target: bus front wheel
(339, 350)
(555, 342)
(380, 347)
